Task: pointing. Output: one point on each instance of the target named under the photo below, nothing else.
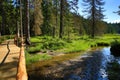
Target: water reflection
(96, 65)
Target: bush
(102, 44)
(115, 48)
(35, 49)
(53, 44)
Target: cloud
(115, 21)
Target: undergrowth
(76, 44)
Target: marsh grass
(79, 43)
(38, 66)
(42, 65)
(31, 58)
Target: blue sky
(110, 7)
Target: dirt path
(8, 60)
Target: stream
(95, 65)
(92, 65)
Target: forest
(56, 38)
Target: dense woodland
(53, 27)
(57, 18)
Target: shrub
(35, 49)
(53, 44)
(115, 48)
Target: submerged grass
(52, 62)
(31, 58)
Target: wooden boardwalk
(8, 60)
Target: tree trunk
(27, 24)
(3, 21)
(93, 19)
(61, 19)
(21, 22)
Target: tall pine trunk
(38, 17)
(61, 19)
(56, 14)
(27, 24)
(3, 26)
(93, 19)
(21, 27)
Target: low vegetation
(47, 44)
(115, 48)
(71, 49)
(31, 58)
(3, 38)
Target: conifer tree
(94, 12)
(38, 18)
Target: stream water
(96, 65)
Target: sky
(110, 7)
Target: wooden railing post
(22, 73)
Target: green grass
(79, 43)
(35, 49)
(75, 46)
(31, 58)
(52, 62)
(5, 37)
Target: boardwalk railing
(22, 73)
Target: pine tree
(94, 11)
(118, 12)
(27, 23)
(38, 18)
(61, 19)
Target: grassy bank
(39, 61)
(46, 44)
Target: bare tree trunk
(0, 28)
(54, 28)
(27, 24)
(53, 31)
(61, 19)
(18, 33)
(3, 21)
(93, 19)
(21, 22)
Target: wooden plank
(22, 73)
